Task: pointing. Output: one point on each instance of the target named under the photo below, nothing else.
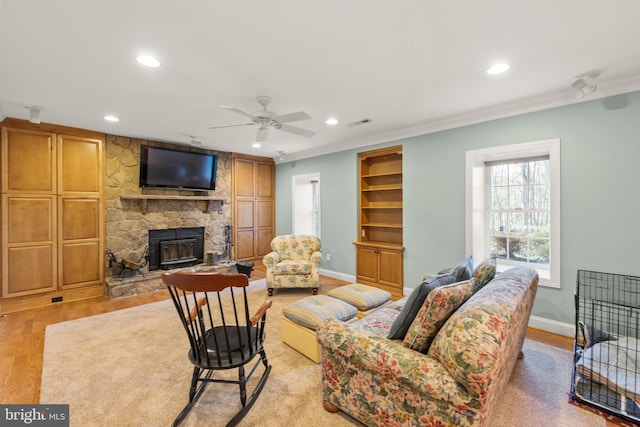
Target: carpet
(130, 368)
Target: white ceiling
(411, 67)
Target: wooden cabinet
(379, 250)
(80, 211)
(52, 214)
(253, 206)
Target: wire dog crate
(606, 368)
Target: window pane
(518, 174)
(539, 252)
(500, 198)
(498, 247)
(517, 249)
(539, 172)
(517, 224)
(500, 175)
(539, 224)
(517, 197)
(497, 223)
(539, 196)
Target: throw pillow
(592, 335)
(484, 273)
(414, 302)
(464, 270)
(436, 309)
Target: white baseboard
(553, 326)
(339, 276)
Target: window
(513, 207)
(306, 204)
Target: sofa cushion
(414, 302)
(436, 309)
(292, 267)
(484, 273)
(464, 270)
(377, 324)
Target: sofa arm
(316, 258)
(271, 259)
(388, 358)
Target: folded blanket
(614, 364)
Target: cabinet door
(366, 264)
(29, 245)
(265, 193)
(80, 211)
(244, 230)
(264, 180)
(390, 268)
(79, 165)
(80, 242)
(265, 222)
(28, 161)
(243, 178)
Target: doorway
(306, 204)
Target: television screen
(165, 167)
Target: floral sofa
(294, 262)
(457, 376)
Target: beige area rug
(130, 368)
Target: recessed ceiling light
(148, 61)
(498, 68)
(332, 121)
(256, 145)
(111, 118)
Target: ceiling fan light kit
(265, 119)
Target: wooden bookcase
(379, 249)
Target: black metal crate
(606, 368)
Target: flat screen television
(170, 168)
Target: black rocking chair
(222, 333)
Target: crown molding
(510, 109)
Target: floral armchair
(293, 263)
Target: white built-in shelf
(143, 198)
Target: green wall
(600, 149)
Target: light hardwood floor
(22, 338)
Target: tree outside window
(519, 215)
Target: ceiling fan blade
(228, 126)
(235, 110)
(292, 117)
(296, 130)
(262, 134)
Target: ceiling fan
(265, 118)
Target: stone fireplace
(129, 222)
(175, 248)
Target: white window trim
(475, 201)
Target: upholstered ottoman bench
(363, 297)
(301, 319)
